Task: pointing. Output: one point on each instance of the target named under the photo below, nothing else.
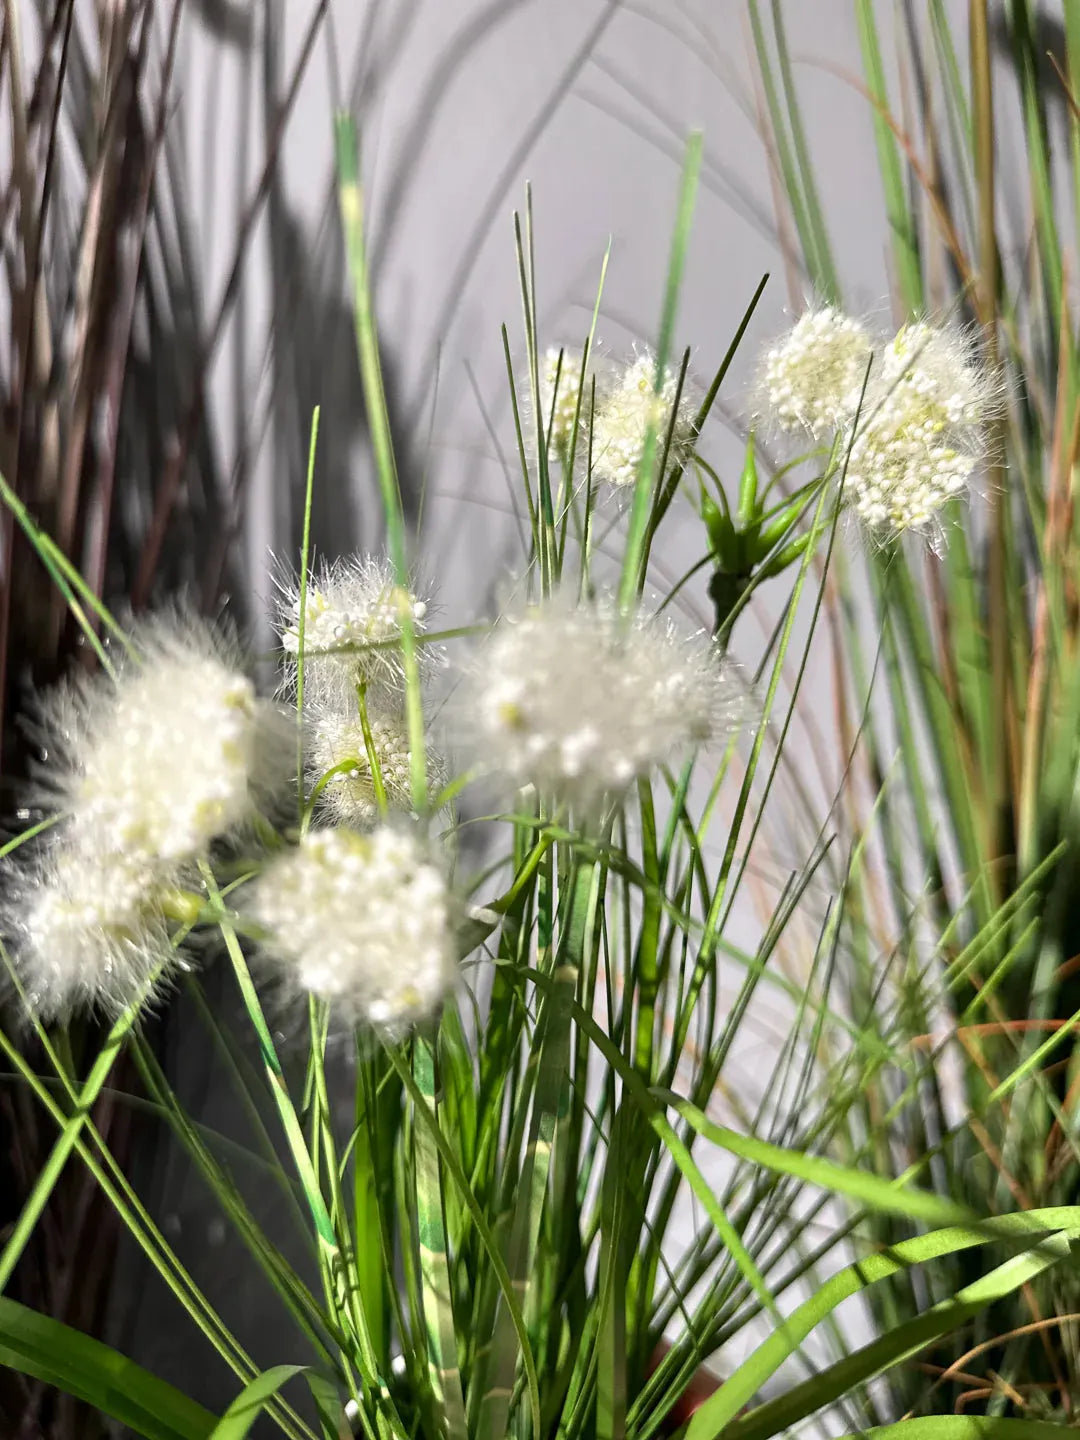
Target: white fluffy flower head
(337, 738)
(923, 432)
(175, 753)
(811, 379)
(622, 421)
(353, 617)
(361, 920)
(87, 926)
(931, 378)
(560, 386)
(580, 700)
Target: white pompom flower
(87, 926)
(174, 753)
(924, 430)
(335, 738)
(362, 920)
(622, 422)
(580, 700)
(812, 378)
(354, 615)
(931, 374)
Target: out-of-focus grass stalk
(351, 198)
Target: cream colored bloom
(175, 753)
(622, 422)
(811, 379)
(336, 739)
(580, 701)
(562, 382)
(923, 430)
(353, 620)
(361, 920)
(87, 926)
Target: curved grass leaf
(964, 1427)
(716, 1414)
(252, 1400)
(47, 1350)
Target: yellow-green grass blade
(964, 1427)
(255, 1397)
(1049, 1232)
(423, 1117)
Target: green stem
(351, 202)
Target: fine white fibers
(921, 428)
(923, 432)
(581, 700)
(623, 418)
(931, 374)
(811, 379)
(177, 752)
(150, 768)
(336, 738)
(87, 926)
(361, 920)
(353, 617)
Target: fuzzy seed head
(923, 434)
(812, 379)
(174, 754)
(560, 387)
(622, 422)
(361, 920)
(581, 701)
(349, 797)
(932, 379)
(901, 480)
(87, 927)
(353, 618)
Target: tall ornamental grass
(956, 674)
(550, 1207)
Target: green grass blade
(549, 1099)
(252, 1401)
(815, 216)
(351, 202)
(887, 1196)
(720, 1410)
(301, 619)
(65, 1143)
(901, 221)
(633, 573)
(44, 1349)
(789, 173)
(434, 1262)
